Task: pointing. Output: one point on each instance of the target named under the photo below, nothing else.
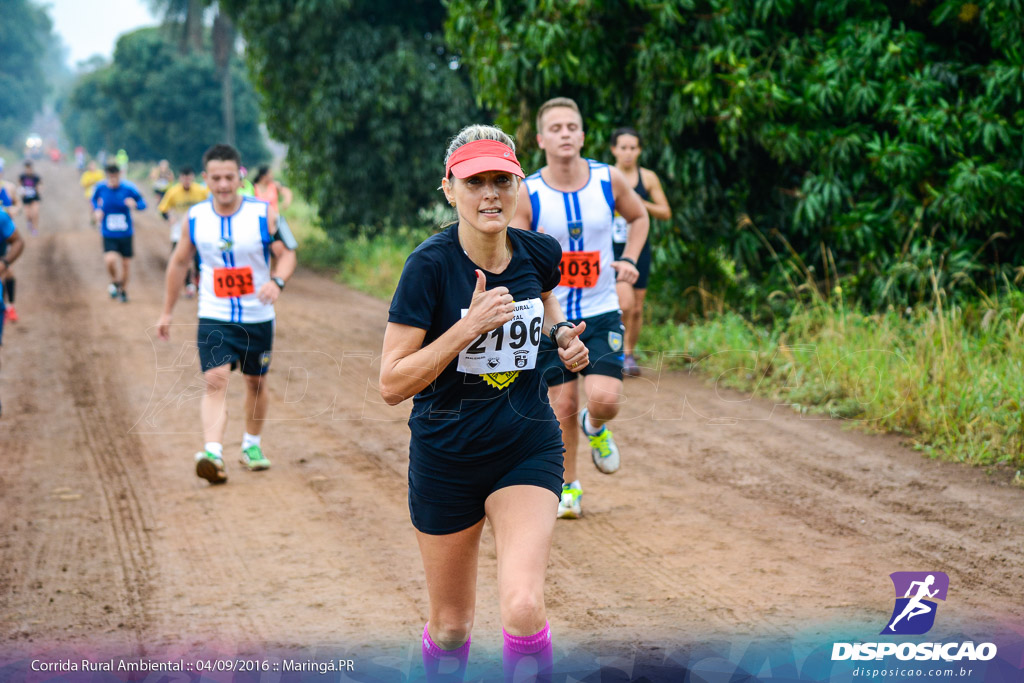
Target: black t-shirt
(30, 185)
(476, 414)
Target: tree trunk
(227, 107)
(223, 49)
(194, 26)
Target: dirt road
(730, 517)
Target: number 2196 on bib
(513, 346)
(517, 334)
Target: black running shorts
(122, 245)
(603, 338)
(245, 344)
(447, 491)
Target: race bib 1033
(232, 282)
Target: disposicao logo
(913, 615)
(914, 612)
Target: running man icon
(919, 587)
(915, 607)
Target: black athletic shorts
(122, 245)
(447, 492)
(643, 264)
(245, 344)
(603, 339)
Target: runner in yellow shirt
(90, 176)
(179, 197)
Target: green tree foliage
(26, 36)
(88, 117)
(364, 95)
(157, 103)
(877, 141)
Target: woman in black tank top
(626, 149)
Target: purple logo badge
(916, 592)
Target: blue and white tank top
(234, 261)
(581, 221)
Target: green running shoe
(603, 450)
(210, 467)
(252, 457)
(569, 502)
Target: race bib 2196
(508, 348)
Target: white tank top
(581, 221)
(234, 261)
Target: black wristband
(554, 329)
(627, 260)
(279, 282)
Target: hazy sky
(91, 27)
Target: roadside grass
(952, 380)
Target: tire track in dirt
(118, 456)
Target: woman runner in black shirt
(462, 337)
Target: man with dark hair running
(112, 202)
(235, 238)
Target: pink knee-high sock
(527, 658)
(444, 666)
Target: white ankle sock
(215, 448)
(250, 440)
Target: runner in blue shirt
(112, 202)
(462, 340)
(9, 204)
(11, 246)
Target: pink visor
(483, 155)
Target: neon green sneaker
(252, 457)
(210, 467)
(603, 450)
(569, 502)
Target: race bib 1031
(580, 269)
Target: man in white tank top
(235, 239)
(574, 200)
